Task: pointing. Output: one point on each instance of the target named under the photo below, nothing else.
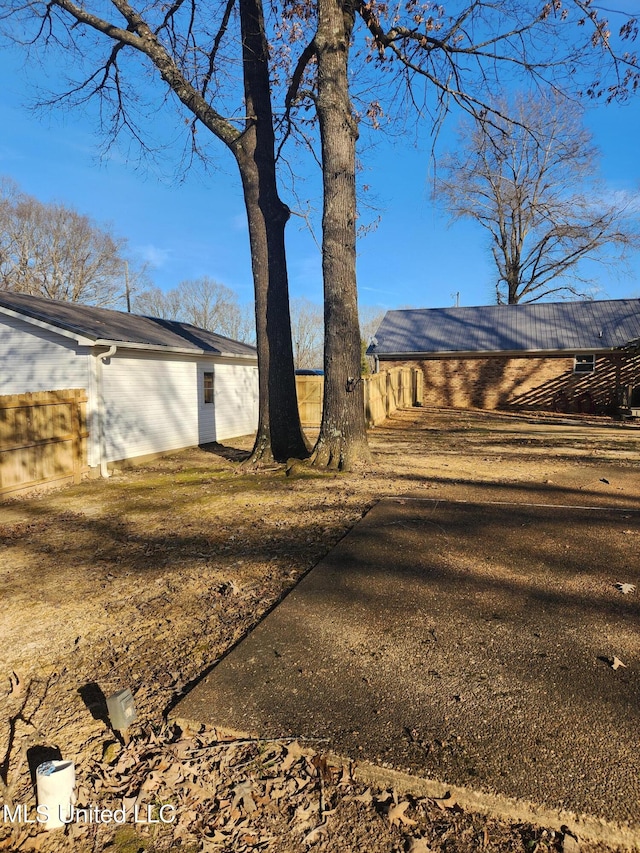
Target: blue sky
(197, 227)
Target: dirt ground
(147, 579)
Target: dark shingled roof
(541, 326)
(102, 324)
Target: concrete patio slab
(469, 643)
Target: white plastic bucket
(55, 783)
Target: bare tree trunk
(513, 283)
(343, 438)
(279, 434)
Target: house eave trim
(81, 340)
(106, 342)
(398, 356)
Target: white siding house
(33, 358)
(152, 385)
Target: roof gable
(103, 324)
(532, 327)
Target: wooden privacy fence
(43, 439)
(398, 388)
(310, 391)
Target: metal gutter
(106, 342)
(102, 358)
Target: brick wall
(533, 382)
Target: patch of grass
(127, 840)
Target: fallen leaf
(616, 663)
(345, 779)
(384, 797)
(325, 770)
(128, 804)
(294, 752)
(126, 762)
(446, 802)
(275, 793)
(315, 834)
(195, 791)
(365, 798)
(183, 748)
(111, 752)
(625, 588)
(210, 847)
(15, 684)
(305, 815)
(418, 845)
(570, 842)
(243, 796)
(396, 815)
(151, 784)
(36, 843)
(172, 775)
(82, 794)
(212, 842)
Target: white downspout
(102, 359)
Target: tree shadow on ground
(231, 454)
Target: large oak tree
(343, 438)
(190, 49)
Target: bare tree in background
(206, 303)
(307, 331)
(52, 250)
(370, 318)
(154, 302)
(307, 322)
(202, 302)
(532, 184)
(240, 323)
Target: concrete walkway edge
(585, 827)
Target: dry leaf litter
(146, 580)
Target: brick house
(562, 356)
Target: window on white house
(584, 363)
(208, 387)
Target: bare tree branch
(533, 187)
